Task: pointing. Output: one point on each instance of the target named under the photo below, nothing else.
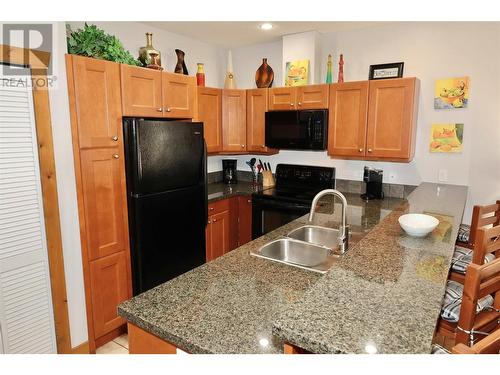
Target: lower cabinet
(229, 225)
(112, 272)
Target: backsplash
(348, 186)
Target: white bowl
(418, 225)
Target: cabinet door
(347, 119)
(103, 189)
(312, 97)
(234, 132)
(256, 116)
(210, 113)
(179, 95)
(141, 91)
(208, 241)
(282, 98)
(219, 234)
(245, 219)
(391, 118)
(97, 100)
(109, 281)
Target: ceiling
(236, 34)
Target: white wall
(430, 51)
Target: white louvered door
(26, 316)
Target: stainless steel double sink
(310, 247)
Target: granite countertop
(385, 294)
(219, 190)
(229, 305)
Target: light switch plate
(443, 175)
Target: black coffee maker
(229, 171)
(373, 179)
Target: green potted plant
(94, 42)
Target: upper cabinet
(373, 120)
(347, 118)
(392, 117)
(234, 133)
(301, 97)
(152, 93)
(97, 101)
(210, 113)
(256, 117)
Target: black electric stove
(296, 186)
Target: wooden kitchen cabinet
(152, 93)
(301, 97)
(141, 91)
(217, 235)
(347, 119)
(179, 95)
(234, 134)
(109, 284)
(98, 103)
(245, 219)
(392, 118)
(373, 120)
(210, 113)
(256, 118)
(96, 124)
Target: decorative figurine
(264, 76)
(180, 67)
(341, 69)
(154, 61)
(229, 82)
(145, 52)
(329, 64)
(200, 75)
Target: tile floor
(117, 346)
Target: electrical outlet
(392, 176)
(443, 175)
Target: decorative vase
(180, 67)
(229, 82)
(329, 64)
(264, 76)
(154, 64)
(341, 69)
(145, 52)
(200, 75)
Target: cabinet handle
(209, 222)
(360, 150)
(211, 208)
(115, 138)
(291, 104)
(369, 150)
(263, 146)
(299, 103)
(159, 110)
(214, 220)
(115, 156)
(168, 109)
(242, 146)
(249, 201)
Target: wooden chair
(482, 217)
(488, 345)
(480, 281)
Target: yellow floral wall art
(446, 138)
(451, 93)
(297, 73)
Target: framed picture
(451, 93)
(384, 71)
(447, 138)
(297, 73)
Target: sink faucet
(343, 230)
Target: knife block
(268, 179)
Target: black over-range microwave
(297, 130)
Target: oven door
(269, 214)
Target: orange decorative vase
(264, 76)
(200, 75)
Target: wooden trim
(38, 62)
(81, 349)
(81, 204)
(111, 335)
(292, 349)
(143, 342)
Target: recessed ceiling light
(266, 26)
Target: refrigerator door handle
(205, 179)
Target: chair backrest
(483, 217)
(480, 281)
(488, 345)
(487, 242)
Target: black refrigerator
(166, 171)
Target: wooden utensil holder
(268, 179)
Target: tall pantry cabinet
(96, 120)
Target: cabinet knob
(115, 156)
(249, 201)
(291, 104)
(168, 109)
(360, 150)
(159, 110)
(209, 222)
(369, 150)
(242, 146)
(211, 208)
(214, 220)
(263, 146)
(299, 103)
(115, 138)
